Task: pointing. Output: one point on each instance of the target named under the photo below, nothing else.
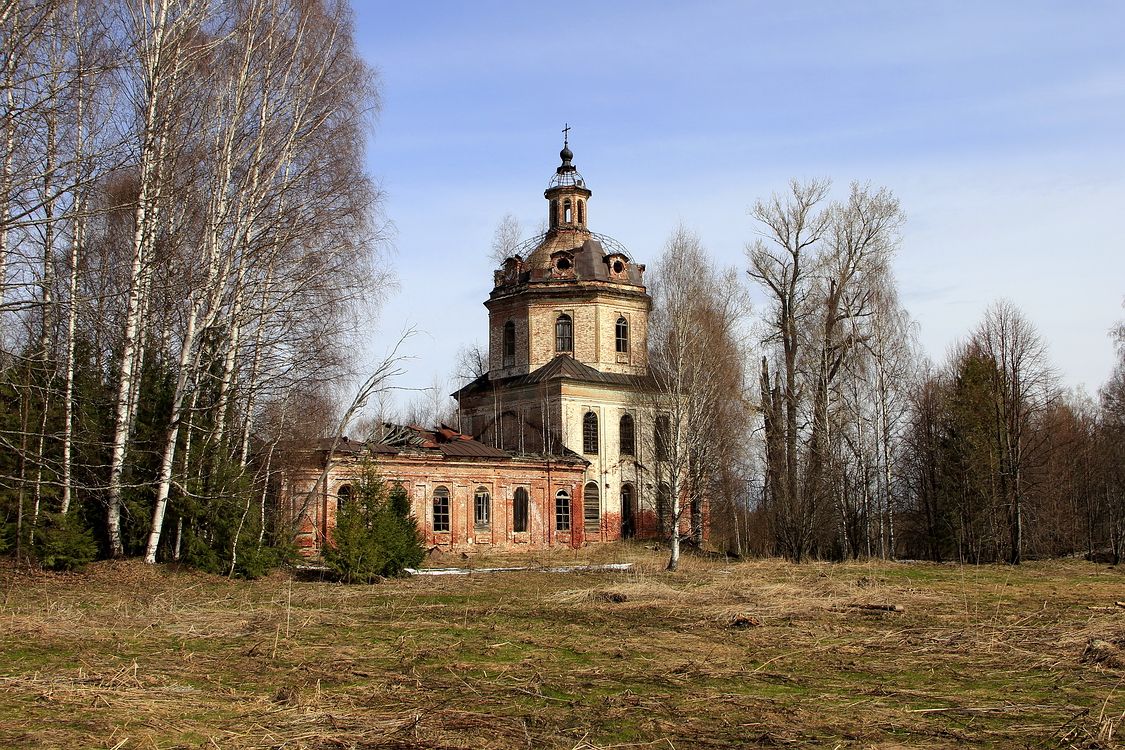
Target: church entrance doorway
(628, 512)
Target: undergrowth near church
(718, 654)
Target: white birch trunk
(145, 218)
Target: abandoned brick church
(557, 443)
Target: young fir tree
(375, 534)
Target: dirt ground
(720, 654)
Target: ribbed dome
(569, 178)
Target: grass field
(748, 654)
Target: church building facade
(568, 362)
(559, 443)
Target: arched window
(343, 496)
(591, 508)
(562, 511)
(581, 212)
(622, 336)
(566, 212)
(441, 509)
(554, 214)
(590, 433)
(662, 437)
(482, 509)
(564, 334)
(626, 430)
(509, 344)
(628, 511)
(663, 507)
(520, 510)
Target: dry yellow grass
(748, 654)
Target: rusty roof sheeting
(562, 367)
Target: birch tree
(696, 363)
(164, 43)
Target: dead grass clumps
(717, 654)
(1103, 653)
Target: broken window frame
(591, 508)
(627, 435)
(440, 521)
(482, 508)
(564, 334)
(590, 433)
(562, 511)
(621, 335)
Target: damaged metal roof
(562, 367)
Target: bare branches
(505, 239)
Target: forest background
(184, 272)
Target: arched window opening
(590, 433)
(482, 509)
(520, 510)
(663, 507)
(509, 343)
(662, 437)
(566, 212)
(441, 510)
(622, 336)
(628, 512)
(343, 496)
(562, 511)
(581, 212)
(564, 334)
(554, 214)
(627, 432)
(591, 508)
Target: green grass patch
(130, 656)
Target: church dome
(570, 178)
(577, 255)
(568, 252)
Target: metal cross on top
(566, 133)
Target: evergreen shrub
(63, 542)
(375, 534)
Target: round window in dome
(618, 266)
(562, 264)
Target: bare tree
(793, 227)
(695, 357)
(1023, 385)
(821, 267)
(505, 240)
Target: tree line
(188, 239)
(187, 233)
(816, 427)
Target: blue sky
(1000, 126)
